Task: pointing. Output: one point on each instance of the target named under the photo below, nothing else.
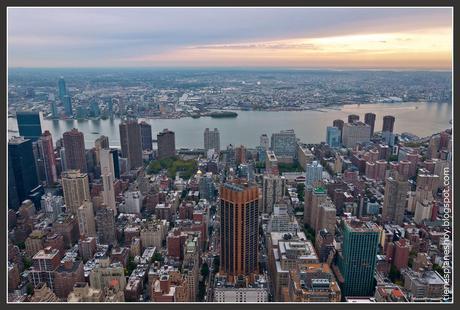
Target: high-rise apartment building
(358, 258)
(284, 143)
(29, 125)
(101, 143)
(46, 149)
(166, 142)
(131, 143)
(212, 139)
(75, 186)
(354, 133)
(387, 129)
(146, 136)
(314, 173)
(273, 190)
(74, 145)
(105, 223)
(369, 119)
(353, 118)
(239, 229)
(86, 222)
(394, 202)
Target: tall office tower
(387, 129)
(284, 143)
(61, 88)
(353, 118)
(358, 259)
(333, 136)
(131, 144)
(108, 193)
(318, 196)
(23, 170)
(47, 154)
(75, 186)
(314, 173)
(273, 190)
(354, 133)
(394, 202)
(29, 125)
(67, 102)
(116, 162)
(107, 161)
(146, 136)
(240, 155)
(326, 216)
(166, 142)
(369, 119)
(264, 142)
(101, 143)
(74, 145)
(54, 110)
(86, 222)
(105, 223)
(239, 229)
(388, 123)
(212, 139)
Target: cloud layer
(278, 37)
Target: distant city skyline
(335, 38)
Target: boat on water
(95, 132)
(223, 114)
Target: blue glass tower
(67, 105)
(358, 259)
(29, 125)
(333, 136)
(61, 88)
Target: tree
(394, 273)
(130, 266)
(216, 263)
(158, 257)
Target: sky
(337, 38)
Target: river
(420, 118)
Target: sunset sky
(341, 38)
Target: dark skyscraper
(61, 88)
(166, 144)
(146, 136)
(388, 123)
(74, 145)
(29, 125)
(116, 162)
(353, 118)
(239, 229)
(131, 144)
(23, 168)
(369, 118)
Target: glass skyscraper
(333, 136)
(29, 125)
(23, 170)
(358, 258)
(62, 89)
